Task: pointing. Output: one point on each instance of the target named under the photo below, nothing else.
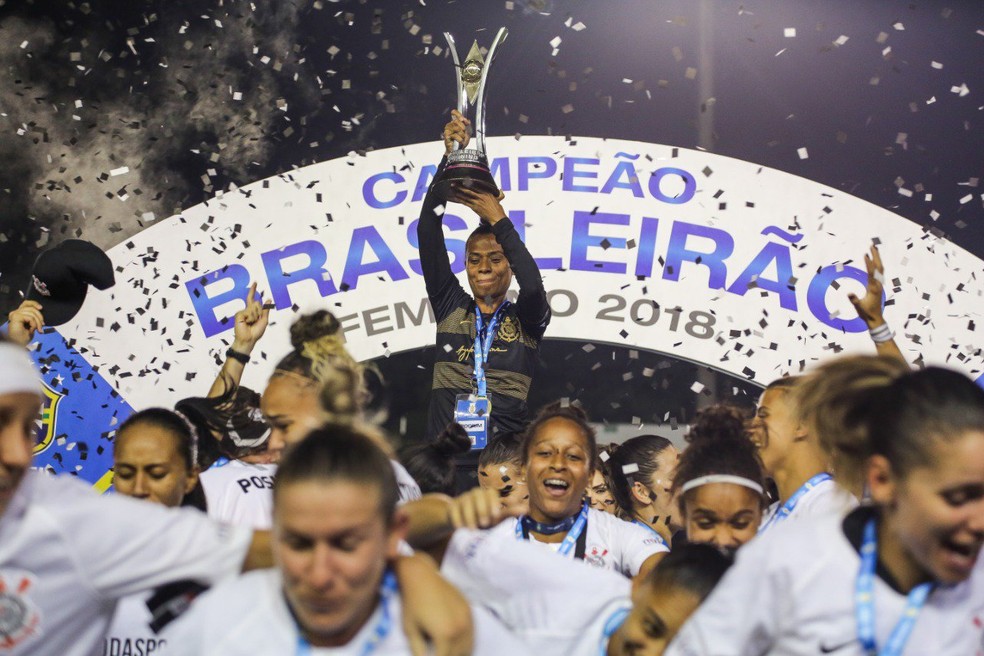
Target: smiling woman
(902, 573)
(559, 450)
(719, 481)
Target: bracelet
(881, 334)
(237, 356)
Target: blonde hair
(826, 400)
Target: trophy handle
(462, 96)
(480, 110)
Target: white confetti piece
(962, 90)
(937, 65)
(630, 468)
(604, 456)
(966, 199)
(579, 26)
(23, 45)
(789, 32)
(841, 40)
(119, 171)
(899, 26)
(697, 387)
(555, 42)
(802, 153)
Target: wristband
(881, 334)
(237, 356)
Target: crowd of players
(844, 515)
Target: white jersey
(242, 494)
(826, 498)
(558, 607)
(792, 593)
(611, 543)
(129, 633)
(68, 555)
(248, 616)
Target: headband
(721, 478)
(17, 372)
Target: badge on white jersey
(20, 619)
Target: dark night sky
(90, 87)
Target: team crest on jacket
(19, 618)
(508, 330)
(48, 419)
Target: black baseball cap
(62, 275)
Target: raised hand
(870, 306)
(456, 130)
(485, 205)
(251, 322)
(24, 322)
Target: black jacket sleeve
(531, 306)
(443, 288)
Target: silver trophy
(469, 167)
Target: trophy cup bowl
(469, 167)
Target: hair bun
(718, 423)
(452, 441)
(312, 327)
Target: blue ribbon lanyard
(484, 347)
(864, 602)
(570, 540)
(611, 626)
(652, 530)
(388, 590)
(787, 508)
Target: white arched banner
(715, 260)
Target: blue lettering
(689, 185)
(570, 173)
(631, 180)
(500, 171)
(281, 280)
(678, 253)
(528, 171)
(355, 268)
(369, 190)
(816, 297)
(455, 247)
(206, 305)
(581, 240)
(752, 275)
(518, 218)
(647, 247)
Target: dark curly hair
(719, 444)
(432, 464)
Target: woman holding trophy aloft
(486, 346)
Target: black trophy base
(465, 168)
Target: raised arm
(870, 308)
(442, 286)
(251, 323)
(23, 322)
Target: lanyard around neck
(864, 601)
(611, 626)
(570, 540)
(484, 346)
(787, 508)
(388, 590)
